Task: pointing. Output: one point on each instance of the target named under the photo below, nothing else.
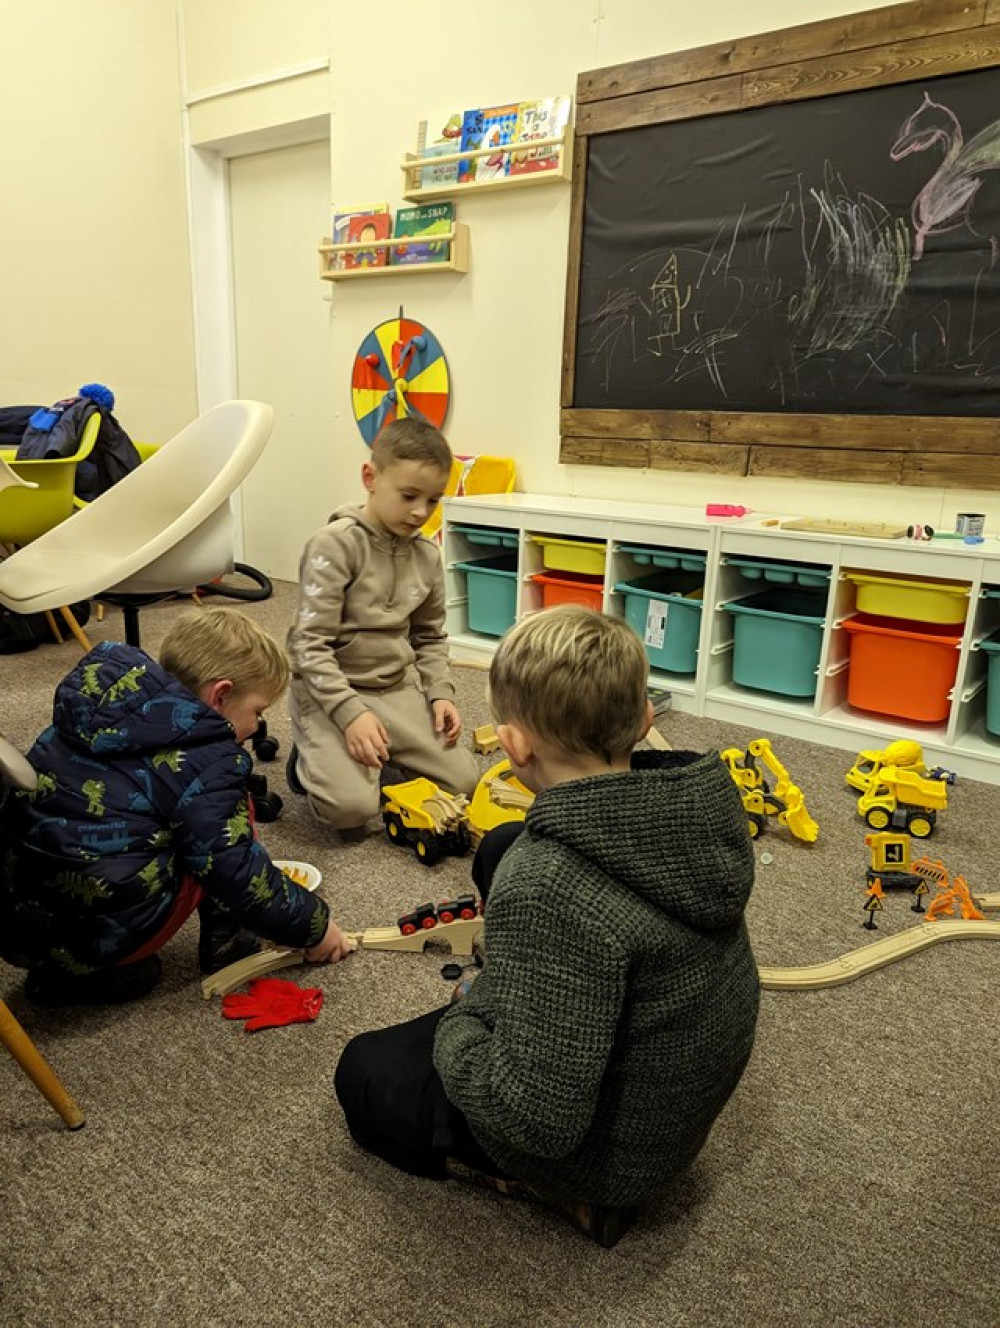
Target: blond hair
(574, 678)
(410, 439)
(208, 644)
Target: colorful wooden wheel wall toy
(399, 370)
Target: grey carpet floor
(851, 1181)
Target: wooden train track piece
(868, 958)
(459, 936)
(862, 529)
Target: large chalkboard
(760, 259)
(840, 254)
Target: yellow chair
(26, 514)
(490, 474)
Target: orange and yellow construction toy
(899, 798)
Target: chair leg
(53, 626)
(38, 1070)
(100, 612)
(75, 627)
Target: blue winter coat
(139, 784)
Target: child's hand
(367, 740)
(447, 721)
(333, 947)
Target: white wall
(96, 275)
(96, 283)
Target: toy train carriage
(426, 916)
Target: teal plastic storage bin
(666, 619)
(777, 637)
(992, 647)
(687, 560)
(781, 573)
(487, 535)
(492, 591)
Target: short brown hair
(207, 644)
(575, 678)
(411, 439)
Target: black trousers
(391, 1095)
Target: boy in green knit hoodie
(617, 1008)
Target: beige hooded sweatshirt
(371, 604)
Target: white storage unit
(961, 743)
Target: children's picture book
(423, 221)
(373, 226)
(487, 127)
(342, 219)
(537, 120)
(445, 142)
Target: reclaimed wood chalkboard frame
(904, 43)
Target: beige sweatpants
(343, 793)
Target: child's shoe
(106, 986)
(601, 1222)
(292, 773)
(486, 1180)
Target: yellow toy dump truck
(760, 801)
(421, 816)
(901, 799)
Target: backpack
(25, 631)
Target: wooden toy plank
(867, 529)
(847, 967)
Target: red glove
(273, 1002)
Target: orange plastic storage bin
(567, 588)
(901, 668)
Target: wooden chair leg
(38, 1070)
(53, 626)
(100, 612)
(75, 627)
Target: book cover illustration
(537, 120)
(487, 127)
(371, 227)
(342, 218)
(423, 221)
(447, 143)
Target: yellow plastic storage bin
(567, 555)
(919, 601)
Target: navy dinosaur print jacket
(139, 785)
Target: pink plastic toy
(726, 509)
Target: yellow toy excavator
(760, 801)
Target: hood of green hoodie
(680, 807)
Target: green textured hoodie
(617, 1008)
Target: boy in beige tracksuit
(370, 676)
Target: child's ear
(368, 475)
(215, 692)
(515, 742)
(647, 722)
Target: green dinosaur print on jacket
(151, 877)
(93, 791)
(128, 682)
(82, 887)
(169, 756)
(238, 825)
(260, 886)
(90, 686)
(47, 783)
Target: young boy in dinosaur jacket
(141, 814)
(616, 1010)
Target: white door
(280, 207)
